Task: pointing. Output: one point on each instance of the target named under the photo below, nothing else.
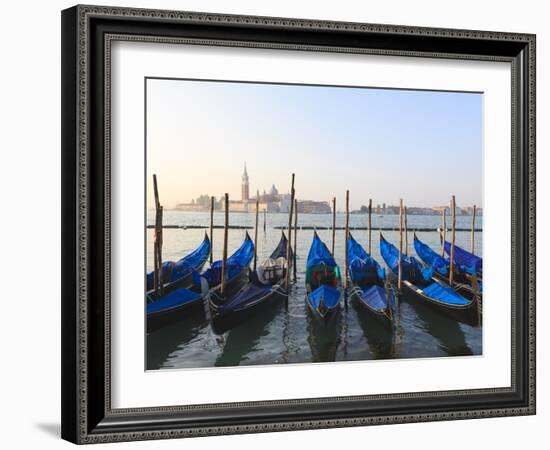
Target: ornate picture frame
(87, 35)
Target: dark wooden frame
(87, 415)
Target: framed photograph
(277, 224)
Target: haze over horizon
(378, 143)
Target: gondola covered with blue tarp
(463, 281)
(174, 299)
(234, 265)
(368, 287)
(323, 281)
(265, 288)
(179, 273)
(182, 301)
(470, 263)
(419, 285)
(411, 269)
(431, 258)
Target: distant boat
(265, 288)
(323, 282)
(183, 301)
(419, 284)
(463, 276)
(179, 274)
(368, 284)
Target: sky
(383, 144)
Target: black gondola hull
(166, 317)
(231, 287)
(163, 318)
(468, 314)
(225, 321)
(326, 319)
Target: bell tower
(244, 185)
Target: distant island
(274, 202)
(271, 202)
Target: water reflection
(245, 338)
(289, 334)
(380, 339)
(450, 336)
(323, 339)
(162, 342)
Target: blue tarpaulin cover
(431, 258)
(329, 295)
(173, 271)
(319, 254)
(365, 271)
(471, 263)
(362, 266)
(375, 297)
(412, 269)
(445, 294)
(255, 289)
(176, 298)
(280, 250)
(323, 274)
(234, 264)
(250, 293)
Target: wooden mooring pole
(288, 247)
(333, 224)
(400, 263)
(211, 229)
(444, 232)
(295, 237)
(346, 237)
(406, 231)
(157, 246)
(473, 229)
(264, 219)
(225, 232)
(452, 252)
(370, 225)
(256, 234)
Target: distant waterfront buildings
(275, 202)
(415, 210)
(313, 207)
(272, 201)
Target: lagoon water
(289, 334)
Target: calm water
(291, 335)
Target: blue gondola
(179, 274)
(471, 263)
(368, 287)
(266, 287)
(182, 301)
(323, 282)
(419, 284)
(466, 282)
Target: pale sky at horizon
(378, 143)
